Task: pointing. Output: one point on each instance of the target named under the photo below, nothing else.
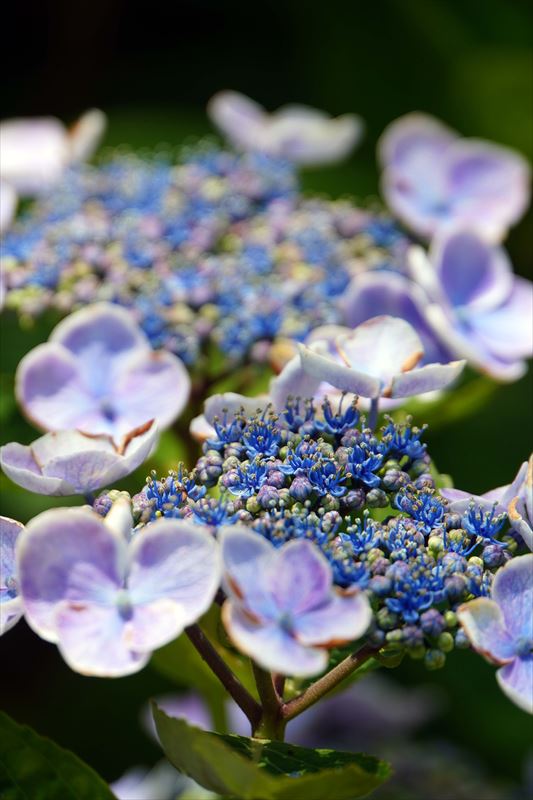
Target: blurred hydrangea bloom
(501, 628)
(433, 178)
(282, 609)
(216, 250)
(476, 306)
(162, 782)
(10, 604)
(37, 152)
(298, 133)
(71, 462)
(107, 599)
(315, 472)
(99, 374)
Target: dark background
(152, 68)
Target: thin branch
(328, 682)
(266, 689)
(272, 723)
(232, 684)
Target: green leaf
(254, 769)
(34, 768)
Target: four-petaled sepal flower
(108, 599)
(71, 462)
(10, 604)
(98, 373)
(282, 609)
(501, 628)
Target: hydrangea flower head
(501, 628)
(433, 179)
(98, 373)
(108, 599)
(316, 477)
(71, 462)
(379, 358)
(10, 604)
(298, 133)
(477, 307)
(282, 609)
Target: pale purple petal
(241, 119)
(309, 137)
(10, 604)
(505, 331)
(489, 184)
(102, 333)
(18, 463)
(162, 782)
(385, 292)
(200, 429)
(247, 558)
(34, 153)
(512, 590)
(332, 371)
(520, 508)
(175, 561)
(50, 389)
(93, 640)
(516, 680)
(426, 379)
(465, 344)
(155, 386)
(435, 180)
(231, 403)
(342, 619)
(62, 384)
(300, 577)
(66, 555)
(381, 348)
(460, 501)
(484, 624)
(410, 135)
(86, 134)
(293, 381)
(155, 624)
(70, 462)
(271, 646)
(472, 273)
(8, 206)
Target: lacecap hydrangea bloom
(316, 473)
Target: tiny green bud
(434, 659)
(450, 618)
(445, 642)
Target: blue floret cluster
(218, 249)
(367, 499)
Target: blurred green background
(153, 69)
